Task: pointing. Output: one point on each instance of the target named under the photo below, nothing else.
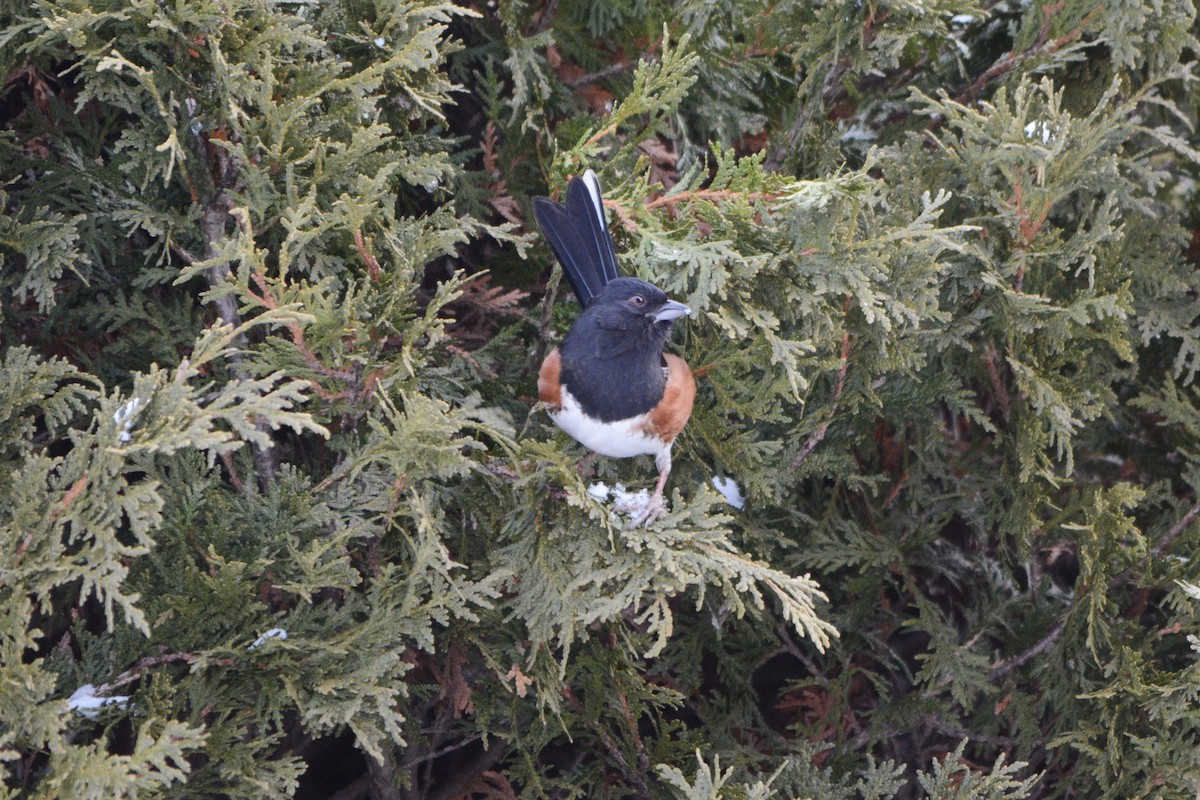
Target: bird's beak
(670, 311)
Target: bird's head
(637, 308)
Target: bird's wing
(578, 234)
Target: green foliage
(273, 480)
(951, 780)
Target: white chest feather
(612, 439)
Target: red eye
(637, 300)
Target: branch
(989, 359)
(382, 775)
(1176, 531)
(819, 433)
(710, 195)
(544, 18)
(1004, 668)
(356, 388)
(636, 778)
(602, 74)
(372, 263)
(150, 662)
(1011, 60)
(223, 170)
(547, 319)
(465, 773)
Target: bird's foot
(653, 509)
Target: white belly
(612, 439)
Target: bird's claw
(653, 510)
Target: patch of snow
(85, 701)
(599, 491)
(124, 417)
(730, 489)
(630, 503)
(274, 633)
(1039, 129)
(858, 132)
(1190, 589)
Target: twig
(382, 775)
(150, 662)
(372, 263)
(70, 497)
(482, 763)
(989, 359)
(933, 723)
(421, 759)
(793, 649)
(642, 757)
(635, 777)
(890, 500)
(707, 194)
(214, 230)
(544, 19)
(1005, 668)
(547, 317)
(1176, 531)
(1041, 44)
(231, 473)
(602, 74)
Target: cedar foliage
(275, 486)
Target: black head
(636, 311)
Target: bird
(610, 385)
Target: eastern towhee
(610, 385)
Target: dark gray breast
(611, 383)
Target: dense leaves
(281, 517)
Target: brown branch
(989, 359)
(602, 74)
(636, 778)
(547, 318)
(642, 757)
(231, 473)
(789, 644)
(711, 195)
(296, 331)
(426, 757)
(1176, 531)
(895, 492)
(150, 662)
(223, 169)
(372, 263)
(1042, 44)
(544, 18)
(1004, 668)
(68, 498)
(267, 300)
(626, 220)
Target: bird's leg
(655, 507)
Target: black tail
(579, 236)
